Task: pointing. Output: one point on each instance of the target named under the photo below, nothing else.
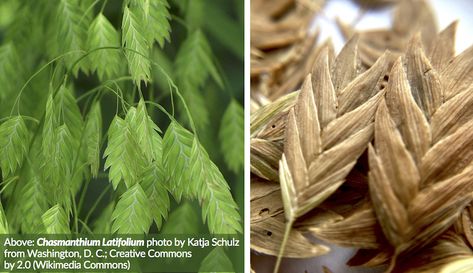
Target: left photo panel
(122, 136)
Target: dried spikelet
(267, 129)
(265, 200)
(265, 155)
(447, 253)
(267, 209)
(420, 163)
(419, 183)
(264, 118)
(277, 23)
(457, 76)
(283, 48)
(409, 18)
(426, 89)
(281, 71)
(426, 141)
(325, 134)
(371, 257)
(351, 88)
(467, 224)
(459, 266)
(359, 230)
(443, 47)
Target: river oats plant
(109, 115)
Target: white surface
(449, 11)
(446, 11)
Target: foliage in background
(109, 115)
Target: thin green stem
(95, 89)
(82, 196)
(103, 6)
(87, 53)
(17, 100)
(161, 109)
(170, 81)
(180, 21)
(89, 8)
(226, 84)
(8, 182)
(96, 203)
(76, 217)
(99, 175)
(192, 123)
(84, 225)
(287, 231)
(172, 98)
(121, 97)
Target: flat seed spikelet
(133, 38)
(132, 213)
(101, 33)
(192, 174)
(231, 136)
(14, 142)
(415, 120)
(92, 137)
(326, 132)
(124, 160)
(267, 235)
(409, 18)
(70, 32)
(419, 184)
(216, 259)
(208, 184)
(56, 220)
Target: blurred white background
(446, 11)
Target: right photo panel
(361, 136)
